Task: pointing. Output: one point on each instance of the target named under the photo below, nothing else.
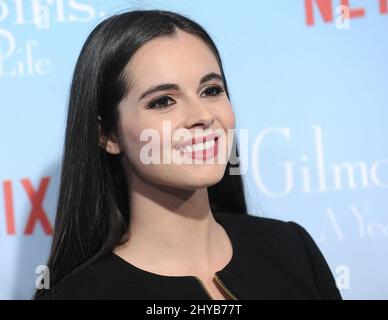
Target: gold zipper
(220, 283)
(204, 287)
(225, 288)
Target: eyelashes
(161, 102)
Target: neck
(173, 227)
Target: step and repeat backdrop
(309, 85)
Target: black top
(271, 259)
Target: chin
(200, 178)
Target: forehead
(182, 57)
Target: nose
(198, 115)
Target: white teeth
(199, 146)
(209, 144)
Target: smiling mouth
(202, 150)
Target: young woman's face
(173, 113)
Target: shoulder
(273, 235)
(285, 244)
(263, 227)
(100, 280)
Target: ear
(110, 145)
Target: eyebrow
(173, 86)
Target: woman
(131, 228)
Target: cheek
(130, 133)
(138, 138)
(226, 117)
(227, 121)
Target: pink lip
(201, 154)
(196, 140)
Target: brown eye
(214, 90)
(160, 103)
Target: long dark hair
(93, 210)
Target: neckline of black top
(229, 231)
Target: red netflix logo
(37, 213)
(326, 10)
